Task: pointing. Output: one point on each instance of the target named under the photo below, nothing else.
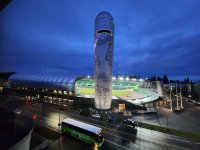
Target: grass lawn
(122, 92)
(86, 91)
(90, 91)
(170, 131)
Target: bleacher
(145, 92)
(116, 85)
(85, 83)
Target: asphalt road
(116, 137)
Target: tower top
(104, 21)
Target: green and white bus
(83, 131)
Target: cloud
(151, 37)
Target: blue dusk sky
(56, 37)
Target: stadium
(130, 90)
(124, 90)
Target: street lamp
(170, 96)
(181, 96)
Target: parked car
(91, 109)
(98, 116)
(129, 123)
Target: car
(84, 112)
(18, 111)
(91, 109)
(98, 116)
(111, 119)
(129, 123)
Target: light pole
(176, 96)
(181, 96)
(170, 95)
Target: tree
(159, 78)
(165, 79)
(153, 78)
(187, 80)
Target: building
(41, 85)
(196, 91)
(75, 91)
(103, 46)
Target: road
(186, 120)
(116, 137)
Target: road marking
(118, 136)
(37, 115)
(114, 129)
(161, 143)
(185, 140)
(116, 144)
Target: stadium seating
(117, 85)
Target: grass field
(144, 92)
(90, 91)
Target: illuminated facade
(103, 46)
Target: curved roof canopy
(42, 81)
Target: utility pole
(170, 90)
(176, 96)
(157, 112)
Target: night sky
(56, 37)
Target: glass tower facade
(103, 47)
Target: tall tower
(103, 47)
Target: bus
(83, 131)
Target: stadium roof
(43, 81)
